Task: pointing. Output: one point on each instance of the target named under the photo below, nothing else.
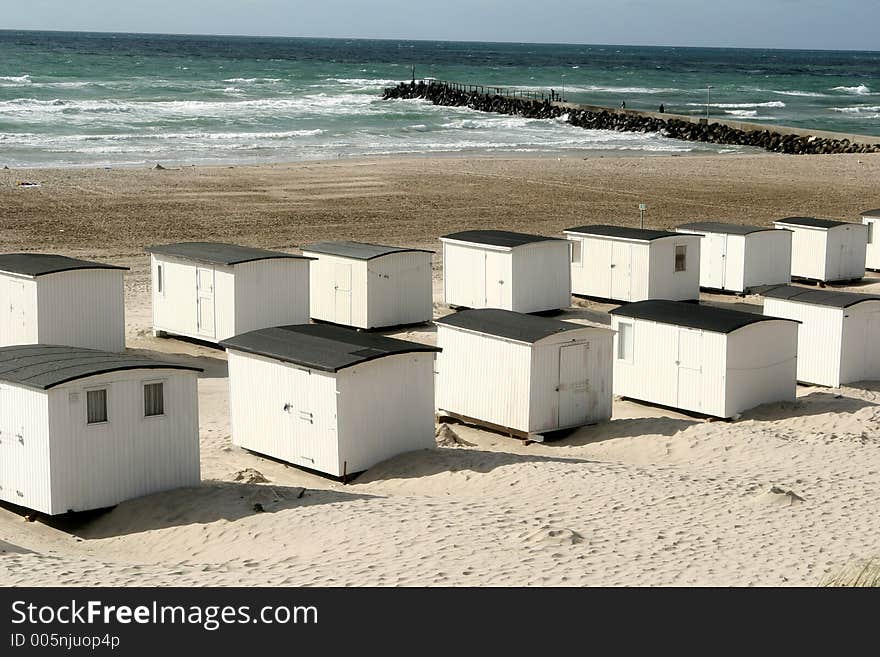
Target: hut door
(621, 270)
(15, 323)
(573, 384)
(205, 301)
(495, 280)
(342, 294)
(690, 369)
(716, 247)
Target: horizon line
(426, 40)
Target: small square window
(576, 252)
(681, 257)
(96, 406)
(154, 399)
(624, 341)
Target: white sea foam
(861, 90)
(857, 109)
(803, 94)
(364, 82)
(742, 113)
(251, 80)
(14, 79)
(726, 106)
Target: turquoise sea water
(118, 99)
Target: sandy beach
(784, 495)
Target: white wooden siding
(541, 277)
(761, 365)
(82, 308)
(835, 345)
(272, 292)
(832, 254)
(99, 465)
(386, 291)
(740, 262)
(483, 377)
(283, 410)
(767, 259)
(245, 297)
(400, 289)
(820, 339)
(635, 270)
(845, 253)
(516, 385)
(334, 423)
(666, 283)
(529, 278)
(706, 372)
(24, 447)
(385, 408)
(79, 308)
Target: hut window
(681, 257)
(96, 406)
(160, 279)
(154, 399)
(870, 232)
(624, 341)
(576, 252)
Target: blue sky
(827, 24)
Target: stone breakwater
(594, 118)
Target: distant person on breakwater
(623, 104)
(662, 109)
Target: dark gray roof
(811, 222)
(217, 253)
(357, 250)
(40, 264)
(498, 237)
(44, 366)
(508, 324)
(872, 213)
(321, 346)
(691, 315)
(720, 227)
(625, 232)
(832, 298)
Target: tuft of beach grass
(863, 573)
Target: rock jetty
(624, 120)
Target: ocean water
(86, 99)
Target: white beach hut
(329, 398)
(522, 374)
(85, 429)
(634, 264)
(703, 359)
(53, 299)
(825, 250)
(871, 218)
(369, 285)
(738, 258)
(500, 269)
(211, 291)
(837, 339)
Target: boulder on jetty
(622, 121)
